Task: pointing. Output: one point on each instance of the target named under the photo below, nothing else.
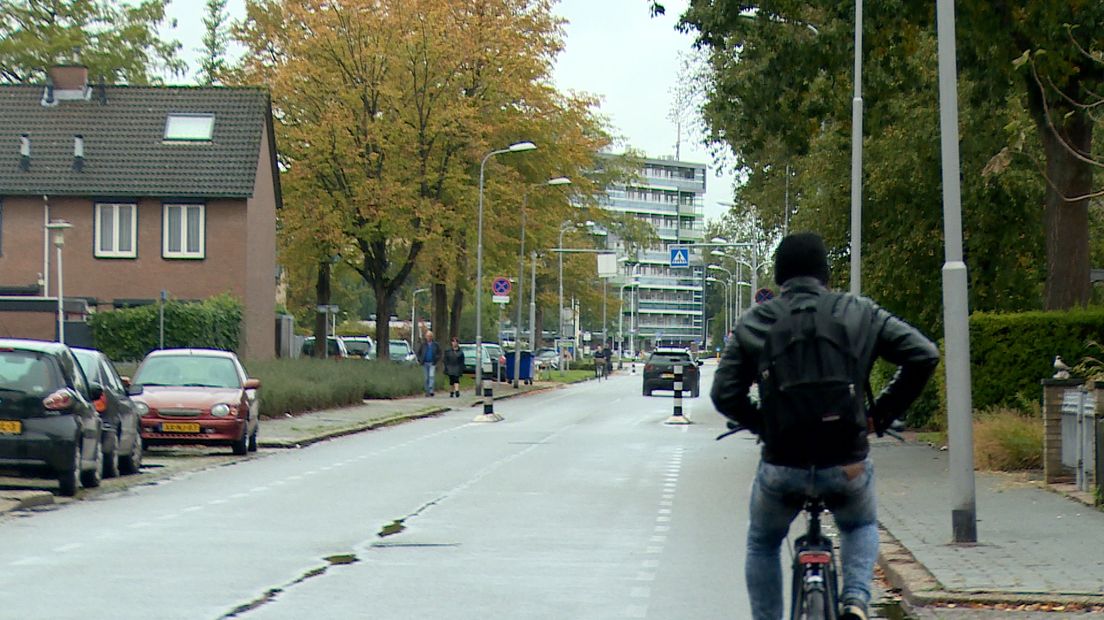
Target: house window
(116, 233)
(189, 127)
(183, 231)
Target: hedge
(291, 386)
(130, 333)
(1011, 353)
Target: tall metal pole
(604, 311)
(61, 290)
(521, 290)
(956, 331)
(856, 159)
(560, 322)
(479, 283)
(534, 331)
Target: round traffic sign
(763, 294)
(501, 286)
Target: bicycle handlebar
(734, 428)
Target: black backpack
(811, 382)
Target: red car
(196, 396)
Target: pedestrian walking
(429, 352)
(454, 366)
(811, 351)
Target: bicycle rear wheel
(816, 606)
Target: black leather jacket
(875, 332)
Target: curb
(23, 500)
(919, 588)
(354, 429)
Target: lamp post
(856, 159)
(727, 290)
(621, 321)
(754, 265)
(517, 147)
(413, 328)
(521, 279)
(59, 227)
(564, 227)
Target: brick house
(166, 188)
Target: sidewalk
(1034, 545)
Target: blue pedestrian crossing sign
(680, 256)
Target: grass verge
(300, 385)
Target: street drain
(270, 595)
(395, 527)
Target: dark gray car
(122, 427)
(48, 424)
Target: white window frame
(114, 251)
(183, 253)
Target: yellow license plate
(10, 427)
(179, 427)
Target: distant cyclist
(812, 418)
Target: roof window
(189, 127)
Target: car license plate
(10, 427)
(179, 427)
(668, 375)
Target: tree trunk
(322, 298)
(455, 311)
(385, 300)
(1066, 222)
(440, 314)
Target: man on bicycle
(834, 466)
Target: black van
(48, 423)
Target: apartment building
(666, 308)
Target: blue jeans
(430, 374)
(776, 499)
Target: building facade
(666, 307)
(163, 189)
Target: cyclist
(601, 362)
(841, 472)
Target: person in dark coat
(454, 366)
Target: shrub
(1007, 440)
(307, 384)
(130, 333)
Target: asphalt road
(581, 504)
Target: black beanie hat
(801, 254)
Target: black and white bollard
(488, 414)
(677, 417)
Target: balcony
(654, 208)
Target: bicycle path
(1035, 546)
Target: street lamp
(727, 290)
(755, 264)
(413, 303)
(564, 227)
(521, 278)
(517, 147)
(621, 320)
(59, 227)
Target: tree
(215, 39)
(119, 42)
(385, 109)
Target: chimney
(25, 152)
(70, 82)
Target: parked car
(659, 371)
(470, 352)
(362, 347)
(498, 362)
(48, 424)
(335, 347)
(197, 396)
(122, 426)
(547, 358)
(400, 351)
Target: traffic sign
(680, 256)
(500, 299)
(501, 286)
(763, 295)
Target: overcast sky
(614, 49)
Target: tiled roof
(124, 151)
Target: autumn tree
(117, 41)
(385, 109)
